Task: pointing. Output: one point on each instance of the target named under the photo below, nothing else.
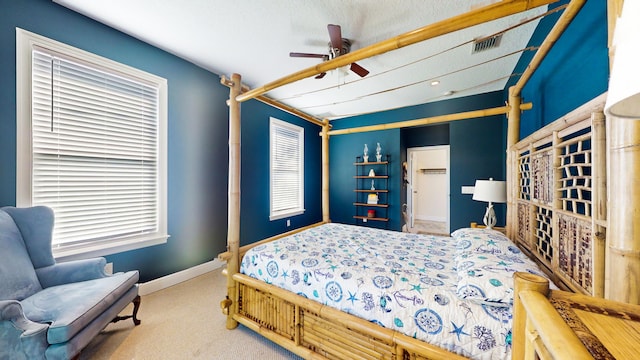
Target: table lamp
(490, 191)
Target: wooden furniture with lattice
(564, 325)
(559, 205)
(560, 201)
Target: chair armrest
(22, 334)
(72, 271)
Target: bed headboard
(557, 197)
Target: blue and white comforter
(406, 282)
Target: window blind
(94, 149)
(286, 168)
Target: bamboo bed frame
(557, 213)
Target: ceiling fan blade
(306, 55)
(321, 75)
(335, 34)
(362, 72)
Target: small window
(287, 165)
(92, 146)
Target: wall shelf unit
(371, 191)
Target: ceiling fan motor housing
(346, 48)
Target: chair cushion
(36, 226)
(17, 276)
(70, 307)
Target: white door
(428, 189)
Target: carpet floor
(183, 321)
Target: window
(287, 165)
(92, 146)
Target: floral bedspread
(402, 281)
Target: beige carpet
(182, 322)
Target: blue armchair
(52, 310)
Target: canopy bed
(557, 215)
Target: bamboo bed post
(599, 204)
(233, 229)
(556, 203)
(515, 92)
(523, 282)
(325, 170)
(513, 134)
(624, 209)
(532, 211)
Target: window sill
(285, 215)
(95, 250)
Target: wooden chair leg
(134, 316)
(136, 307)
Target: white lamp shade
(490, 191)
(623, 98)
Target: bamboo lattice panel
(542, 176)
(543, 237)
(575, 250)
(575, 179)
(555, 199)
(268, 311)
(523, 225)
(335, 342)
(524, 188)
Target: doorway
(427, 208)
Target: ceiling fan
(337, 46)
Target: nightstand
(497, 228)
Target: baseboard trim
(178, 277)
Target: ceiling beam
(431, 120)
(278, 105)
(463, 21)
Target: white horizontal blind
(94, 149)
(287, 149)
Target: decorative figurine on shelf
(372, 186)
(372, 173)
(366, 153)
(378, 153)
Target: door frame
(410, 169)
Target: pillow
(486, 241)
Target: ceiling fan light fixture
(337, 46)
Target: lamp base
(489, 218)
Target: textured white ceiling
(254, 37)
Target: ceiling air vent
(486, 43)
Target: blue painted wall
(575, 71)
(343, 150)
(255, 224)
(477, 151)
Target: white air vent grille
(486, 43)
